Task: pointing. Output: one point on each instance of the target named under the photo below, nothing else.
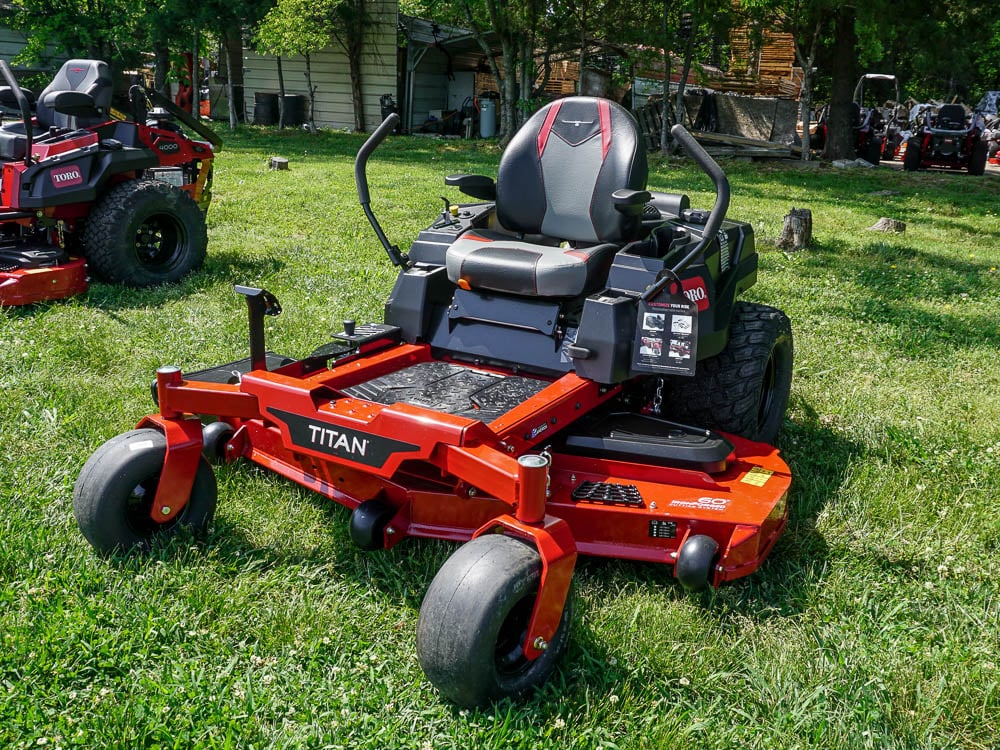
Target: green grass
(874, 623)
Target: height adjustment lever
(260, 302)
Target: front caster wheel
(115, 490)
(474, 619)
(695, 562)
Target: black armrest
(630, 202)
(9, 99)
(71, 103)
(473, 185)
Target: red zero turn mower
(533, 391)
(949, 140)
(83, 189)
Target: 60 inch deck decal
(342, 442)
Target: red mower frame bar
(298, 424)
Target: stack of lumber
(718, 144)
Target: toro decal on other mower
(335, 440)
(66, 176)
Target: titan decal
(340, 442)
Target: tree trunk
(357, 99)
(312, 96)
(196, 75)
(665, 124)
(688, 57)
(281, 96)
(234, 75)
(841, 136)
(508, 94)
(230, 88)
(805, 109)
(161, 54)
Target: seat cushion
(486, 259)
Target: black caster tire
(695, 561)
(873, 151)
(144, 233)
(911, 157)
(115, 490)
(977, 159)
(474, 618)
(368, 523)
(744, 389)
(214, 437)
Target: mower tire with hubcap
(474, 618)
(113, 497)
(144, 233)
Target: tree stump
(278, 162)
(886, 224)
(797, 230)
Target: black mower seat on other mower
(950, 120)
(91, 77)
(554, 198)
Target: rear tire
(911, 157)
(145, 233)
(977, 160)
(474, 619)
(873, 151)
(744, 389)
(114, 494)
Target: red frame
(459, 478)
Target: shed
(443, 68)
(331, 74)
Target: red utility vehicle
(531, 392)
(82, 190)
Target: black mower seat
(91, 77)
(554, 198)
(485, 259)
(950, 120)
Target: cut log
(278, 162)
(797, 230)
(886, 224)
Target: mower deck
(399, 426)
(24, 286)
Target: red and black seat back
(558, 173)
(87, 76)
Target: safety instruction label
(757, 476)
(666, 336)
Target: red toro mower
(951, 139)
(82, 189)
(563, 369)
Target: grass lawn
(874, 623)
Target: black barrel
(294, 109)
(265, 108)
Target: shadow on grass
(919, 303)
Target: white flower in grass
(559, 723)
(684, 681)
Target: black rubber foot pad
(450, 388)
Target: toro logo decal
(694, 289)
(340, 442)
(66, 176)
